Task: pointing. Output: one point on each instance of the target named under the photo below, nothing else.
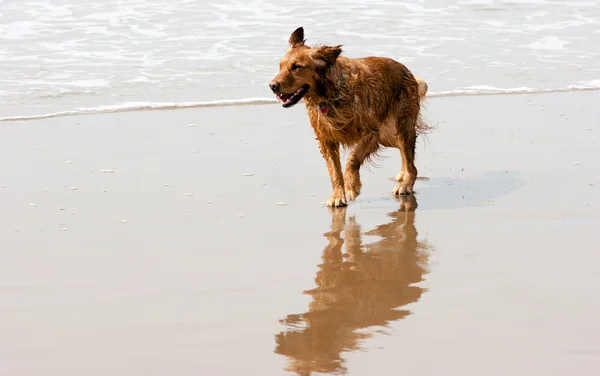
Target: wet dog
(359, 103)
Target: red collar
(324, 108)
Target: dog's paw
(337, 200)
(352, 194)
(353, 187)
(402, 190)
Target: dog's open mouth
(288, 100)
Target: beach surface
(195, 241)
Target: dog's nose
(274, 85)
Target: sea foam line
(490, 90)
(153, 106)
(144, 106)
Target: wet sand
(157, 243)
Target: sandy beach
(195, 242)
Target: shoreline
(260, 101)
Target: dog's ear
(297, 38)
(327, 55)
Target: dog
(365, 103)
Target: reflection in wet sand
(359, 289)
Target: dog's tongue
(324, 109)
(283, 97)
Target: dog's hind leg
(407, 140)
(368, 144)
(400, 175)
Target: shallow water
(61, 55)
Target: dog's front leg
(331, 154)
(367, 145)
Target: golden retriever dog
(365, 103)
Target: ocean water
(64, 57)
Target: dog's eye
(296, 66)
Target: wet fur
(372, 102)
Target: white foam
(593, 84)
(550, 43)
(148, 106)
(491, 90)
(144, 106)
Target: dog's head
(301, 69)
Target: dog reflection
(357, 290)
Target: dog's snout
(274, 85)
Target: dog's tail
(422, 126)
(422, 87)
